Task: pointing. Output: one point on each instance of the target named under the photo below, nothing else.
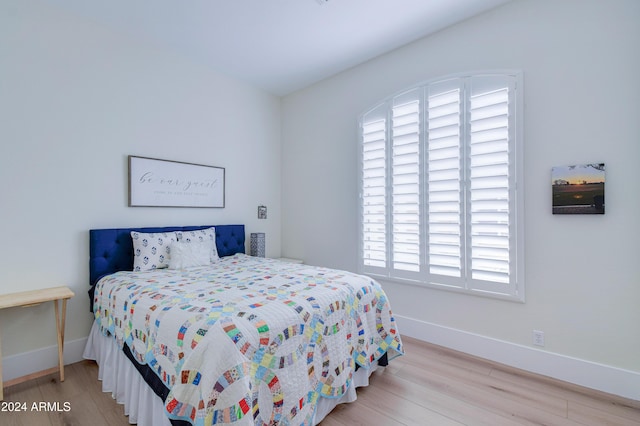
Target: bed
(214, 336)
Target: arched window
(440, 201)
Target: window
(440, 166)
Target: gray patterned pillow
(151, 250)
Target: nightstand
(32, 298)
(290, 260)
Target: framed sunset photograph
(578, 189)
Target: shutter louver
(406, 185)
(444, 175)
(489, 180)
(374, 164)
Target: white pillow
(151, 250)
(208, 234)
(188, 254)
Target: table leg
(60, 323)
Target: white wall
(75, 100)
(581, 62)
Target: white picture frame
(155, 182)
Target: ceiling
(279, 45)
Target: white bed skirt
(144, 407)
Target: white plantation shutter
(405, 182)
(439, 176)
(373, 184)
(444, 176)
(489, 183)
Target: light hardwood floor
(429, 385)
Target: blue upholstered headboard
(111, 250)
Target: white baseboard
(26, 363)
(589, 374)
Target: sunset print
(578, 189)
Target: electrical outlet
(538, 338)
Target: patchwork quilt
(248, 340)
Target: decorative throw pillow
(151, 250)
(188, 254)
(208, 234)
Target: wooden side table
(32, 298)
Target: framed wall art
(163, 183)
(262, 212)
(578, 189)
